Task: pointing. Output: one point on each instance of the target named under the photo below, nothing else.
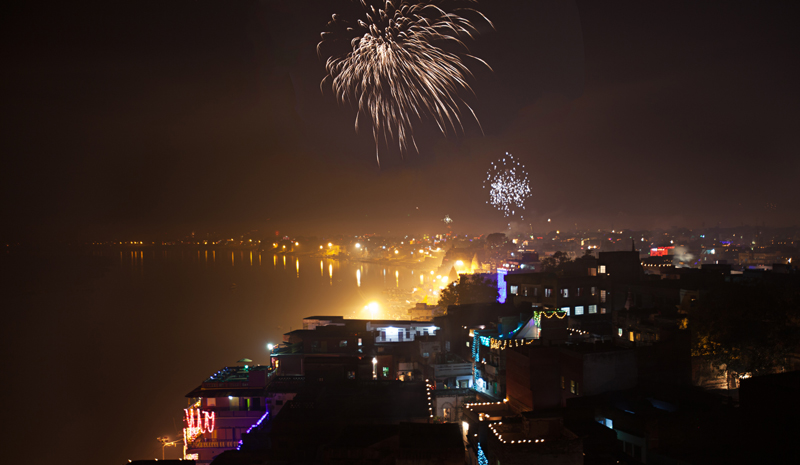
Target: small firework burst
(508, 185)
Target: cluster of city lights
(509, 186)
(197, 423)
(579, 331)
(499, 436)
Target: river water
(100, 346)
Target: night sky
(126, 120)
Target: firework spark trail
(509, 186)
(396, 70)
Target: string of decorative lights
(579, 331)
(428, 391)
(537, 315)
(203, 423)
(254, 425)
(482, 460)
(499, 436)
(469, 405)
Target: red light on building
(660, 251)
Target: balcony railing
(213, 444)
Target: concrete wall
(609, 371)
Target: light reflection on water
(355, 284)
(176, 315)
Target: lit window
(594, 291)
(603, 310)
(342, 343)
(572, 386)
(562, 382)
(565, 309)
(592, 271)
(619, 332)
(385, 372)
(592, 308)
(548, 292)
(630, 336)
(601, 269)
(603, 296)
(565, 292)
(211, 402)
(579, 310)
(514, 290)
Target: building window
(579, 310)
(577, 388)
(548, 292)
(603, 296)
(535, 291)
(630, 336)
(514, 290)
(385, 372)
(592, 271)
(619, 332)
(562, 382)
(594, 291)
(343, 343)
(351, 375)
(603, 310)
(565, 309)
(565, 292)
(592, 308)
(359, 342)
(572, 386)
(578, 292)
(211, 402)
(601, 269)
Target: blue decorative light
(255, 425)
(482, 460)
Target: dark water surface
(100, 347)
